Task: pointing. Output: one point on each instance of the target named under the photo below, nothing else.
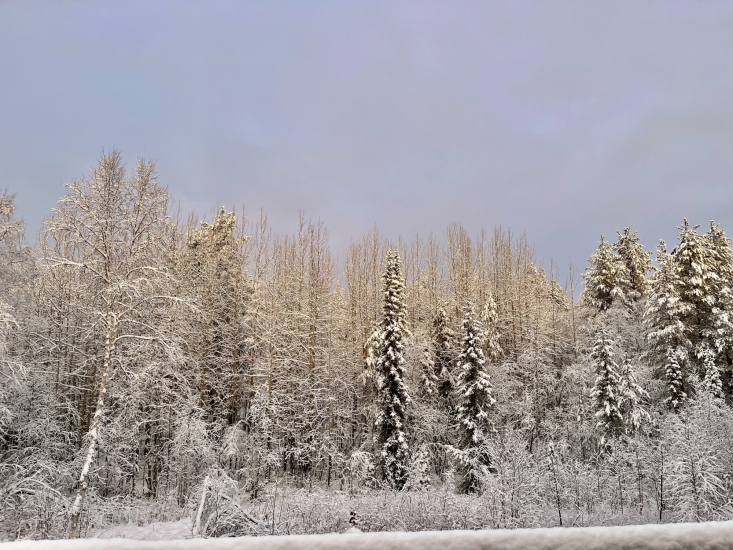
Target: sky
(560, 119)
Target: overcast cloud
(561, 119)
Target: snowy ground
(169, 530)
(687, 536)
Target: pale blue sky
(564, 119)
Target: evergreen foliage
(475, 402)
(637, 263)
(210, 266)
(607, 388)
(662, 308)
(474, 388)
(711, 381)
(695, 280)
(393, 395)
(676, 381)
(603, 277)
(722, 312)
(690, 305)
(632, 410)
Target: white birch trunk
(109, 346)
(197, 524)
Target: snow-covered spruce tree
(371, 352)
(475, 401)
(690, 304)
(633, 413)
(662, 315)
(667, 334)
(637, 262)
(711, 381)
(607, 388)
(695, 282)
(722, 312)
(393, 396)
(676, 380)
(603, 277)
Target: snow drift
(688, 536)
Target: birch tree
(11, 248)
(113, 229)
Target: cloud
(565, 120)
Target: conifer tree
(607, 390)
(603, 277)
(676, 381)
(662, 308)
(722, 256)
(475, 401)
(637, 263)
(695, 282)
(633, 414)
(393, 395)
(711, 381)
(722, 312)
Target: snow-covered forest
(157, 368)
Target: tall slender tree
(393, 395)
(711, 380)
(607, 390)
(662, 314)
(11, 257)
(695, 281)
(722, 312)
(489, 318)
(212, 268)
(113, 231)
(442, 339)
(475, 402)
(676, 379)
(633, 413)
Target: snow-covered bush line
(302, 512)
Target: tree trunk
(109, 345)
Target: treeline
(141, 352)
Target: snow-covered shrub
(358, 471)
(418, 478)
(701, 440)
(220, 512)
